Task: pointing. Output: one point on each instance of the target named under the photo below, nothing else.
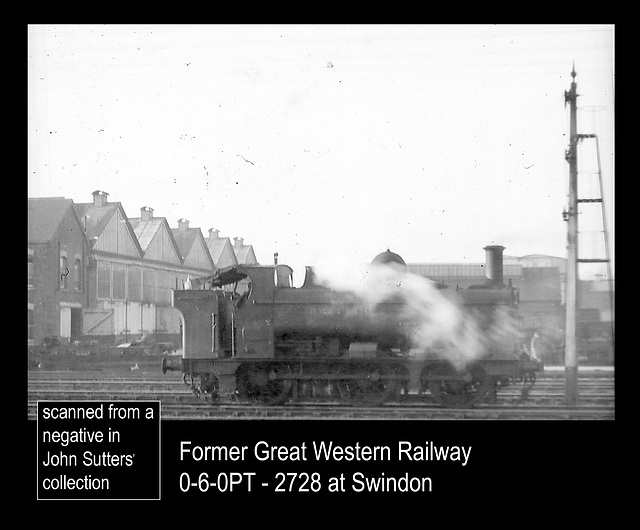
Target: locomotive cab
(207, 318)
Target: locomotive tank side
(279, 319)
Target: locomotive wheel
(467, 391)
(260, 382)
(365, 385)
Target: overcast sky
(326, 140)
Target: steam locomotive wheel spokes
(458, 389)
(366, 385)
(261, 382)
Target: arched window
(64, 272)
(77, 273)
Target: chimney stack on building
(146, 213)
(99, 198)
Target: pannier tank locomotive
(250, 336)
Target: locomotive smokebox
(493, 266)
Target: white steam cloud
(439, 323)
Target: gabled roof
(245, 255)
(217, 246)
(96, 218)
(187, 238)
(146, 229)
(45, 216)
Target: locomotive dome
(389, 258)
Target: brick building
(117, 272)
(57, 256)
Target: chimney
(183, 224)
(493, 267)
(213, 233)
(146, 213)
(99, 198)
(238, 242)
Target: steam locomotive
(250, 336)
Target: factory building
(97, 276)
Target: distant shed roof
(460, 270)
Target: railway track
(545, 400)
(389, 412)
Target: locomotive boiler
(249, 335)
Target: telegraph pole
(571, 155)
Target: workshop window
(149, 286)
(119, 282)
(134, 279)
(104, 280)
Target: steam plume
(439, 323)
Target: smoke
(438, 322)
